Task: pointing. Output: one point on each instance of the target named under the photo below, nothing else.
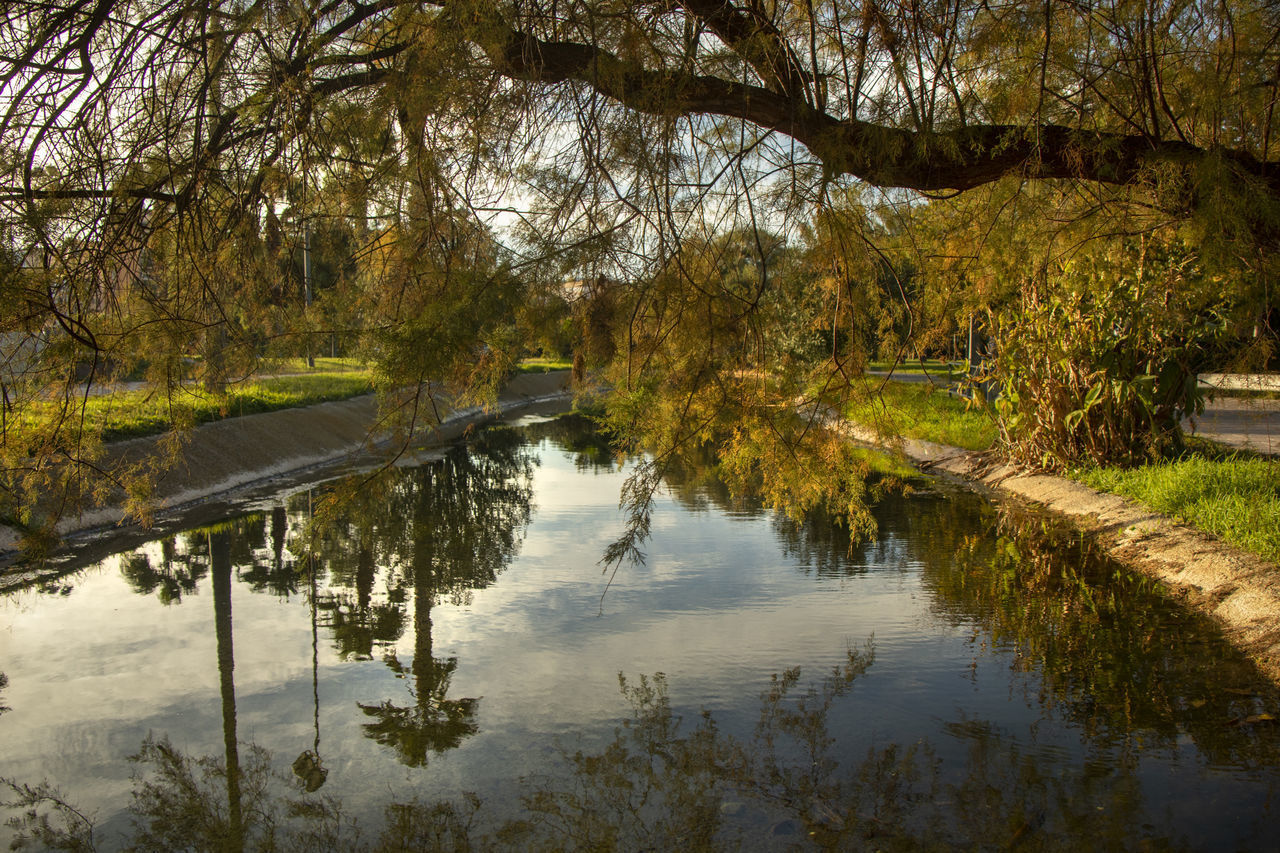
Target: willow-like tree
(483, 150)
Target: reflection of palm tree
(308, 766)
(4, 682)
(434, 723)
(465, 516)
(220, 563)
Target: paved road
(1247, 423)
(1237, 422)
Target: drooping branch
(782, 100)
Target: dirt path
(1240, 591)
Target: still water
(438, 664)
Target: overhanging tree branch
(957, 159)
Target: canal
(440, 660)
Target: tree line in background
(759, 196)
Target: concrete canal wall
(224, 456)
(1238, 590)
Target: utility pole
(306, 283)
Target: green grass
(323, 365)
(1235, 497)
(881, 464)
(1243, 394)
(934, 367)
(129, 414)
(288, 383)
(543, 365)
(917, 411)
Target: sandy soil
(1240, 591)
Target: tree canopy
(164, 165)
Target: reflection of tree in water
(460, 521)
(662, 784)
(433, 533)
(261, 557)
(1110, 651)
(356, 550)
(171, 578)
(578, 435)
(818, 543)
(4, 682)
(693, 478)
(260, 561)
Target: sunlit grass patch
(543, 365)
(934, 367)
(1236, 497)
(888, 469)
(323, 364)
(916, 410)
(128, 414)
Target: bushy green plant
(1096, 357)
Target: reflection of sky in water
(717, 606)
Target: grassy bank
(941, 370)
(128, 414)
(1235, 497)
(290, 383)
(543, 365)
(916, 410)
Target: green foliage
(1236, 498)
(1097, 359)
(440, 306)
(717, 354)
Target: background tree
(145, 146)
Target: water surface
(438, 661)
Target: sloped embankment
(227, 455)
(1240, 591)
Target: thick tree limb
(755, 38)
(956, 159)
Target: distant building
(579, 289)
